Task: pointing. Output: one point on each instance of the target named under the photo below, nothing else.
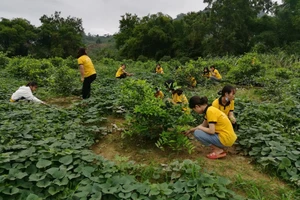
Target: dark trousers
(122, 75)
(86, 86)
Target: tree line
(224, 27)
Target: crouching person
(215, 131)
(25, 93)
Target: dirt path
(233, 166)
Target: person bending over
(158, 93)
(87, 72)
(215, 131)
(121, 73)
(25, 93)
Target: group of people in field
(216, 129)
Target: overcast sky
(98, 16)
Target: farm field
(107, 147)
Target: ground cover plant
(45, 150)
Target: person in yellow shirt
(87, 72)
(206, 72)
(159, 69)
(226, 102)
(121, 73)
(158, 93)
(178, 97)
(215, 131)
(214, 74)
(193, 81)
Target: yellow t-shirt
(179, 98)
(206, 74)
(217, 103)
(88, 65)
(119, 72)
(217, 74)
(223, 125)
(159, 94)
(159, 70)
(193, 81)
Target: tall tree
(59, 36)
(16, 36)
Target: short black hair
(81, 52)
(196, 100)
(32, 84)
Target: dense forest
(224, 27)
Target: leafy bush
(64, 81)
(247, 70)
(4, 60)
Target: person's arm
(203, 125)
(81, 69)
(231, 117)
(27, 94)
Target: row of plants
(44, 155)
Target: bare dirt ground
(233, 166)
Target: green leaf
(87, 171)
(43, 163)
(37, 176)
(66, 160)
(53, 190)
(285, 163)
(57, 172)
(43, 183)
(10, 190)
(33, 197)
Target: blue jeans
(208, 139)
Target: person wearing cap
(87, 72)
(214, 74)
(158, 93)
(121, 73)
(159, 69)
(215, 131)
(25, 93)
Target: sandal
(213, 155)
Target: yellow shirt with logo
(179, 98)
(159, 70)
(229, 107)
(119, 72)
(88, 65)
(217, 74)
(223, 125)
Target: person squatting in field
(214, 74)
(87, 72)
(159, 69)
(158, 93)
(226, 102)
(25, 93)
(121, 73)
(215, 131)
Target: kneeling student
(215, 131)
(25, 92)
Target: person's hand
(186, 133)
(233, 120)
(82, 79)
